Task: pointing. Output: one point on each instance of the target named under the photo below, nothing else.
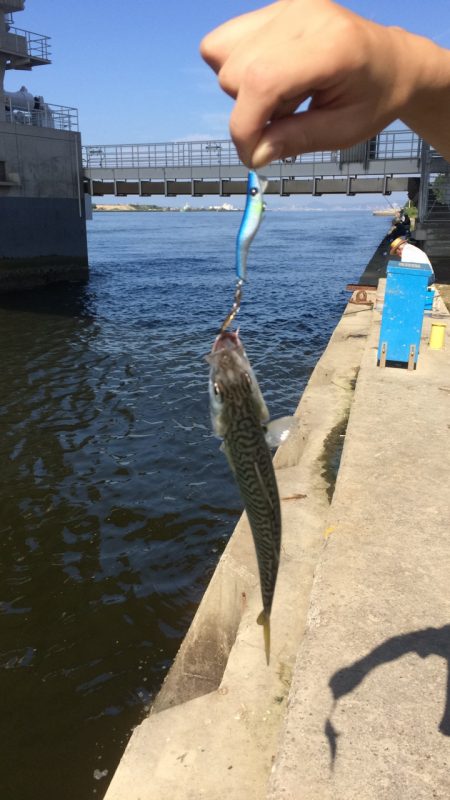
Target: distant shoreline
(130, 208)
(385, 212)
(143, 208)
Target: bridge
(386, 163)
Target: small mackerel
(240, 416)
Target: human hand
(358, 75)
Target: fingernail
(264, 153)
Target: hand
(359, 77)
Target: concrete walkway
(361, 618)
(369, 710)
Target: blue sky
(133, 68)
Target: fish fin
(264, 620)
(262, 485)
(277, 431)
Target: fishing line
(235, 307)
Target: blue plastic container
(403, 310)
(429, 297)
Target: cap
(396, 242)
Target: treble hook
(235, 307)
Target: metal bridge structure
(392, 161)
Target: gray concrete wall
(42, 216)
(40, 162)
(35, 227)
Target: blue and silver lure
(254, 208)
(253, 212)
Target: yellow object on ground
(437, 335)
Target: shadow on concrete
(376, 268)
(426, 642)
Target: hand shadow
(426, 642)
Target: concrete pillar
(2, 68)
(424, 181)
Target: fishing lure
(251, 220)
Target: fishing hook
(235, 307)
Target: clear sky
(133, 69)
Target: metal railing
(392, 144)
(389, 144)
(22, 43)
(62, 118)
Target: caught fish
(254, 208)
(240, 417)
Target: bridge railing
(392, 144)
(389, 144)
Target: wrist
(424, 75)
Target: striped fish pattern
(239, 415)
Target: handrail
(389, 144)
(38, 45)
(46, 115)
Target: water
(115, 502)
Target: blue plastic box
(403, 310)
(429, 299)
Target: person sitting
(410, 253)
(400, 228)
(407, 223)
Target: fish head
(232, 382)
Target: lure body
(253, 212)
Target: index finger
(216, 46)
(269, 89)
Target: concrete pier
(42, 208)
(354, 702)
(43, 223)
(369, 712)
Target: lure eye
(254, 191)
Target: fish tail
(264, 620)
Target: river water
(115, 503)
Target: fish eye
(253, 191)
(247, 379)
(217, 390)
